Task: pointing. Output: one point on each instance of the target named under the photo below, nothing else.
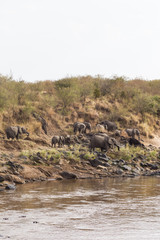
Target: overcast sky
(52, 39)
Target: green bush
(144, 103)
(136, 95)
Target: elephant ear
(110, 141)
(19, 130)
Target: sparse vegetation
(124, 98)
(130, 153)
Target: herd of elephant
(99, 139)
(104, 125)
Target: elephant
(60, 140)
(132, 132)
(75, 125)
(110, 126)
(79, 127)
(44, 126)
(102, 141)
(112, 141)
(15, 131)
(136, 143)
(67, 140)
(88, 126)
(57, 140)
(43, 122)
(117, 133)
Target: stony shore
(75, 163)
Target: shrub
(96, 92)
(144, 103)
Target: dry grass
(35, 128)
(80, 99)
(146, 130)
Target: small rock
(10, 187)
(136, 171)
(114, 163)
(101, 167)
(59, 178)
(23, 157)
(122, 161)
(106, 159)
(153, 166)
(68, 175)
(144, 165)
(119, 171)
(96, 162)
(14, 178)
(127, 168)
(135, 159)
(1, 179)
(99, 154)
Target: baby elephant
(136, 143)
(79, 127)
(57, 140)
(14, 132)
(61, 140)
(67, 140)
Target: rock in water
(10, 187)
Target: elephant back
(98, 141)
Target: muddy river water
(111, 208)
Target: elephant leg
(8, 136)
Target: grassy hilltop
(133, 103)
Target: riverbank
(20, 166)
